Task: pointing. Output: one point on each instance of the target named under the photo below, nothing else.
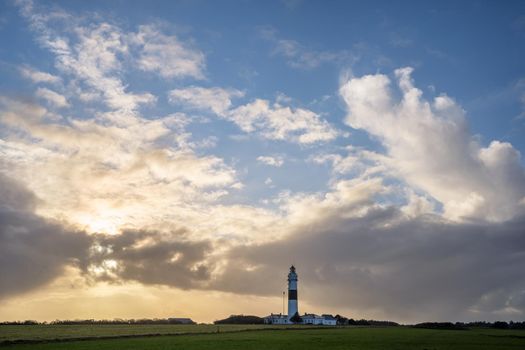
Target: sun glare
(107, 223)
(103, 226)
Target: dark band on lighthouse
(292, 295)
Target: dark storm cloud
(33, 251)
(381, 264)
(152, 257)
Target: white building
(276, 319)
(324, 320)
(293, 308)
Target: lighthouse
(293, 310)
(292, 293)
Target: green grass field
(51, 332)
(358, 338)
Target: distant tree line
(467, 325)
(343, 321)
(93, 321)
(441, 325)
(241, 319)
(250, 319)
(497, 324)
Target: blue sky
(472, 51)
(200, 129)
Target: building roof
(329, 317)
(324, 316)
(311, 316)
(276, 316)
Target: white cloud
(358, 161)
(52, 97)
(216, 99)
(429, 146)
(274, 122)
(277, 122)
(347, 197)
(167, 55)
(237, 186)
(94, 55)
(275, 161)
(95, 60)
(115, 170)
(38, 76)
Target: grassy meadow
(260, 337)
(60, 332)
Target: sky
(174, 158)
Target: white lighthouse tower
(293, 309)
(292, 293)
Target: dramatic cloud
(428, 145)
(33, 251)
(109, 171)
(150, 257)
(125, 190)
(383, 265)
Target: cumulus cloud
(277, 122)
(216, 99)
(52, 97)
(276, 161)
(271, 121)
(429, 145)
